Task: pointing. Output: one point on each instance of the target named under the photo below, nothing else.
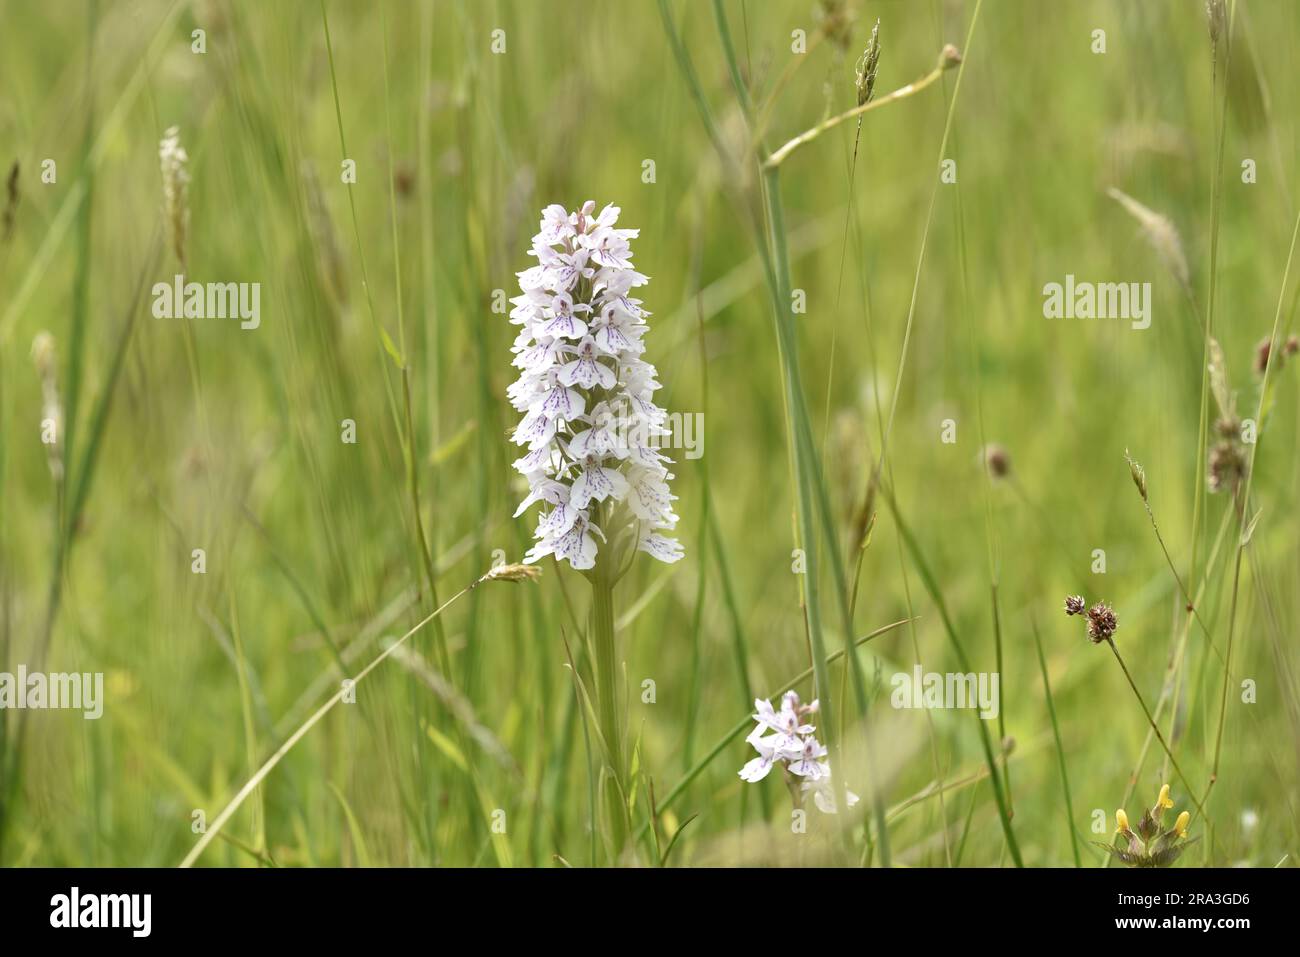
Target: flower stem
(1156, 728)
(602, 637)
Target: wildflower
(809, 764)
(1163, 801)
(1101, 623)
(1148, 845)
(768, 751)
(1074, 604)
(824, 794)
(590, 424)
(1292, 345)
(788, 723)
(784, 736)
(172, 158)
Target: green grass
(822, 431)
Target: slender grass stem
(252, 783)
(947, 59)
(1245, 531)
(1155, 727)
(1060, 748)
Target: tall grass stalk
(503, 573)
(1060, 748)
(1246, 522)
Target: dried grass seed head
(867, 66)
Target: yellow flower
(1121, 821)
(1163, 801)
(1180, 826)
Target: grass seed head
(1160, 233)
(513, 573)
(1074, 604)
(867, 66)
(172, 159)
(1139, 475)
(1215, 19)
(45, 360)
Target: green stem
(602, 636)
(1155, 727)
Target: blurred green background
(196, 434)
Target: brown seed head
(1101, 622)
(1074, 604)
(1228, 426)
(997, 460)
(1227, 466)
(835, 21)
(1262, 353)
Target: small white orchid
(824, 794)
(590, 423)
(784, 736)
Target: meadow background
(924, 303)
